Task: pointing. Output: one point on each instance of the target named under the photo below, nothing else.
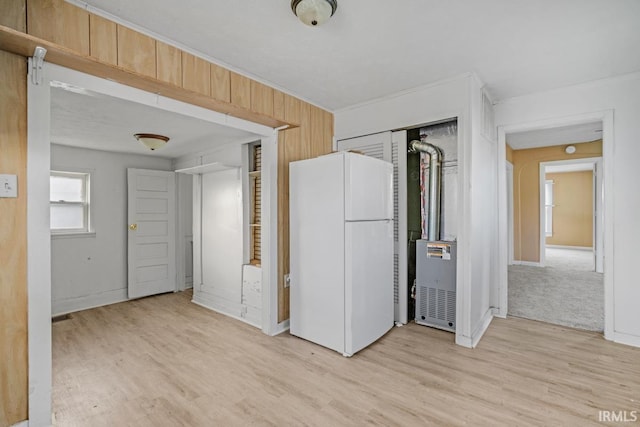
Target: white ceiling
(585, 132)
(373, 48)
(102, 122)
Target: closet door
(391, 147)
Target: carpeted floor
(565, 292)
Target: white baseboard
(577, 248)
(529, 263)
(231, 309)
(498, 313)
(481, 328)
(69, 305)
(24, 423)
(620, 338)
(282, 327)
(478, 332)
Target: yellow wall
(526, 193)
(509, 154)
(573, 209)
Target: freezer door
(368, 188)
(368, 282)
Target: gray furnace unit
(436, 284)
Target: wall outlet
(8, 186)
(287, 280)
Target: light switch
(8, 186)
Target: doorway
(556, 272)
(38, 223)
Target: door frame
(38, 233)
(597, 225)
(607, 117)
(510, 206)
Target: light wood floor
(163, 361)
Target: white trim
(70, 305)
(280, 328)
(400, 138)
(529, 263)
(510, 212)
(22, 424)
(578, 248)
(473, 340)
(39, 250)
(104, 14)
(226, 308)
(626, 339)
(68, 79)
(269, 249)
(607, 118)
(73, 235)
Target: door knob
(133, 227)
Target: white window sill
(73, 235)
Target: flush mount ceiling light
(314, 12)
(570, 149)
(151, 140)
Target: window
(548, 207)
(69, 202)
(255, 183)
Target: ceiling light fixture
(570, 149)
(151, 140)
(314, 12)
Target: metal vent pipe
(435, 183)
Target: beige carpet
(565, 292)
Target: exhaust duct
(435, 184)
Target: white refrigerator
(341, 250)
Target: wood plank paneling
(196, 74)
(220, 83)
(13, 242)
(14, 14)
(261, 98)
(240, 91)
(59, 22)
(317, 131)
(278, 104)
(292, 108)
(103, 39)
(327, 146)
(168, 63)
(136, 52)
(23, 44)
(305, 128)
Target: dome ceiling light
(151, 140)
(314, 12)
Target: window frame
(86, 177)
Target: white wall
(91, 270)
(458, 97)
(622, 95)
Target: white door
(391, 147)
(152, 222)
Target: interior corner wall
(526, 193)
(573, 209)
(90, 271)
(621, 95)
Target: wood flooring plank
(165, 361)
